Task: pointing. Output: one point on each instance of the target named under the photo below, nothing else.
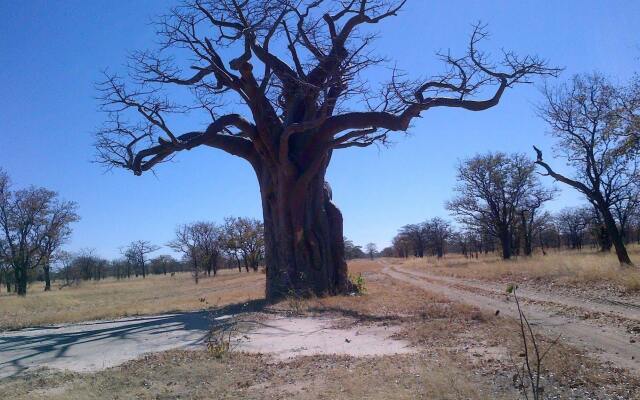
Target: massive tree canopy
(281, 82)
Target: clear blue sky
(52, 52)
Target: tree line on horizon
(35, 224)
(573, 228)
(499, 197)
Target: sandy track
(609, 343)
(590, 304)
(95, 345)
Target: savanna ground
(459, 350)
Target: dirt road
(95, 345)
(607, 336)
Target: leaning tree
(595, 138)
(281, 82)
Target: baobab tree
(584, 116)
(295, 68)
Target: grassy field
(447, 335)
(110, 298)
(587, 267)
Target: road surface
(605, 337)
(95, 345)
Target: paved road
(95, 345)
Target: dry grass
(111, 298)
(570, 267)
(388, 299)
(564, 365)
(201, 375)
(198, 375)
(445, 367)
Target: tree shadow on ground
(357, 316)
(31, 347)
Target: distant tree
(492, 188)
(416, 236)
(57, 232)
(387, 252)
(163, 264)
(29, 219)
(5, 275)
(352, 251)
(371, 249)
(86, 265)
(64, 260)
(209, 239)
(244, 241)
(545, 231)
(186, 243)
(627, 113)
(437, 232)
(627, 208)
(137, 253)
(251, 242)
(530, 212)
(584, 116)
(573, 223)
(296, 69)
(402, 245)
(121, 268)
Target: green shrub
(357, 281)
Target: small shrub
(219, 344)
(527, 377)
(296, 302)
(358, 283)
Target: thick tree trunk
(47, 278)
(21, 280)
(615, 237)
(505, 241)
(440, 251)
(303, 236)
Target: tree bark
(615, 237)
(527, 233)
(505, 241)
(303, 236)
(21, 280)
(47, 277)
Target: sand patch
(284, 338)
